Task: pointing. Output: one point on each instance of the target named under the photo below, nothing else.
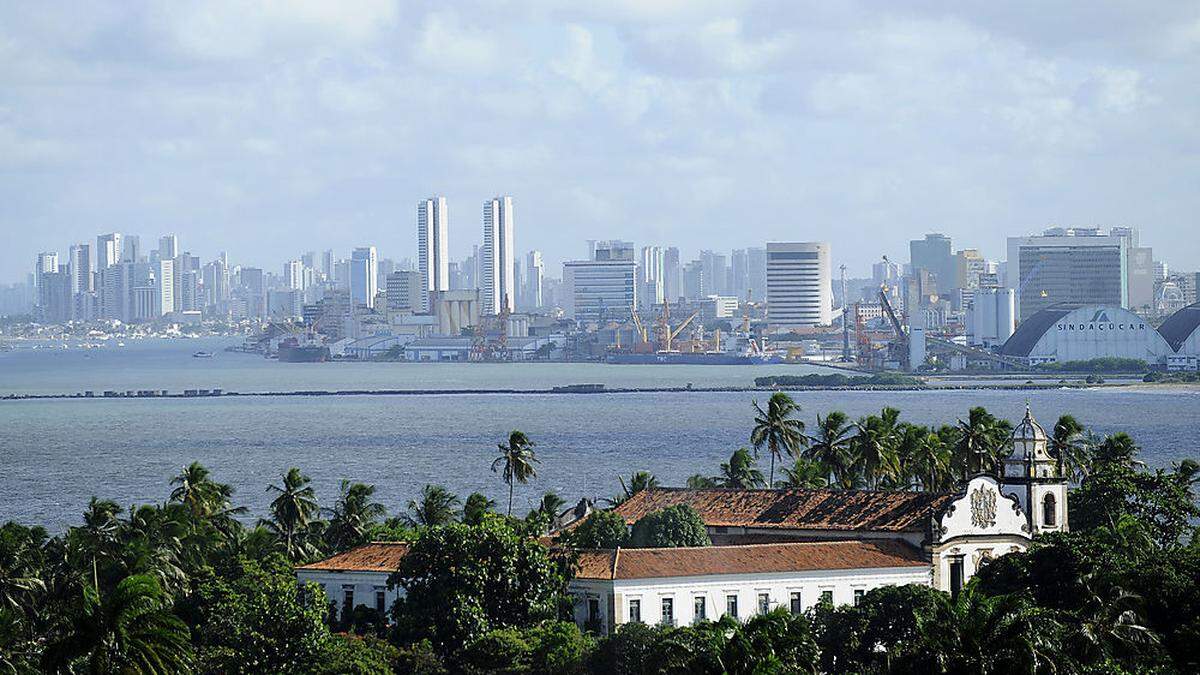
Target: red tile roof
(847, 510)
(653, 563)
(377, 556)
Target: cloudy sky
(268, 128)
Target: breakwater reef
(576, 390)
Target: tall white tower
(534, 271)
(499, 286)
(1031, 476)
(433, 248)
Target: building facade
(799, 284)
(1068, 265)
(499, 283)
(433, 248)
(599, 290)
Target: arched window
(1049, 510)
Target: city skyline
(646, 121)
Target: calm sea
(55, 454)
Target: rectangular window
(827, 597)
(668, 611)
(635, 611)
(731, 607)
(764, 603)
(700, 613)
(797, 607)
(594, 610)
(347, 599)
(380, 600)
(858, 596)
(956, 575)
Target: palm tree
(516, 462)
(699, 482)
(98, 536)
(353, 516)
(638, 481)
(438, 506)
(978, 633)
(981, 438)
(1109, 623)
(476, 506)
(805, 474)
(739, 472)
(924, 457)
(875, 444)
(129, 630)
(1118, 449)
(194, 488)
(776, 429)
(294, 509)
(1068, 447)
(831, 446)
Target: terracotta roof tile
(377, 556)
(653, 563)
(871, 510)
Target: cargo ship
(309, 350)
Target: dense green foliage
(601, 529)
(1107, 364)
(838, 380)
(1160, 377)
(671, 527)
(186, 586)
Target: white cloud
(445, 44)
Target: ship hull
(303, 354)
(692, 358)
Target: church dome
(1029, 440)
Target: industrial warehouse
(1067, 332)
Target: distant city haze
(267, 129)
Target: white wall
(365, 585)
(714, 589)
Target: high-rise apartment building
(164, 284)
(216, 286)
(293, 275)
(756, 269)
(499, 285)
(695, 286)
(613, 249)
(433, 247)
(1141, 272)
(799, 284)
(364, 268)
(131, 248)
(739, 273)
(672, 275)
(535, 269)
(108, 250)
(80, 260)
(47, 263)
(1085, 266)
(650, 277)
(716, 269)
(168, 247)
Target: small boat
(202, 355)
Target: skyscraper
(364, 271)
(499, 287)
(933, 253)
(672, 275)
(651, 277)
(131, 248)
(756, 270)
(293, 275)
(80, 260)
(433, 247)
(164, 282)
(535, 269)
(47, 263)
(799, 284)
(168, 247)
(108, 250)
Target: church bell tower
(1031, 475)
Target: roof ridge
(833, 490)
(761, 544)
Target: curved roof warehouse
(1068, 332)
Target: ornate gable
(981, 510)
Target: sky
(270, 128)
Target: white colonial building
(781, 548)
